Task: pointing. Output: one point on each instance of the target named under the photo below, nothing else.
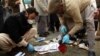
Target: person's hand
(30, 48)
(66, 39)
(22, 43)
(17, 2)
(46, 10)
(63, 29)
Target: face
(32, 16)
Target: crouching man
(17, 31)
(71, 10)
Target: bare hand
(17, 2)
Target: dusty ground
(71, 51)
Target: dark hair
(98, 6)
(31, 10)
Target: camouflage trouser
(6, 44)
(90, 27)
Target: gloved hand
(66, 39)
(30, 48)
(63, 29)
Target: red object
(62, 48)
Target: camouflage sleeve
(74, 11)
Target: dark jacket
(16, 26)
(1, 16)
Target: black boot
(91, 53)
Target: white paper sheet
(51, 47)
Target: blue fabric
(30, 48)
(66, 39)
(27, 1)
(63, 29)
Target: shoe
(91, 53)
(42, 35)
(46, 33)
(40, 39)
(83, 46)
(85, 42)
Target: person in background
(54, 23)
(12, 4)
(42, 7)
(17, 31)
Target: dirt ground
(71, 51)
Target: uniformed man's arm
(74, 12)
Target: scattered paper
(20, 54)
(56, 40)
(51, 47)
(40, 39)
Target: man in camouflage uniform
(74, 13)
